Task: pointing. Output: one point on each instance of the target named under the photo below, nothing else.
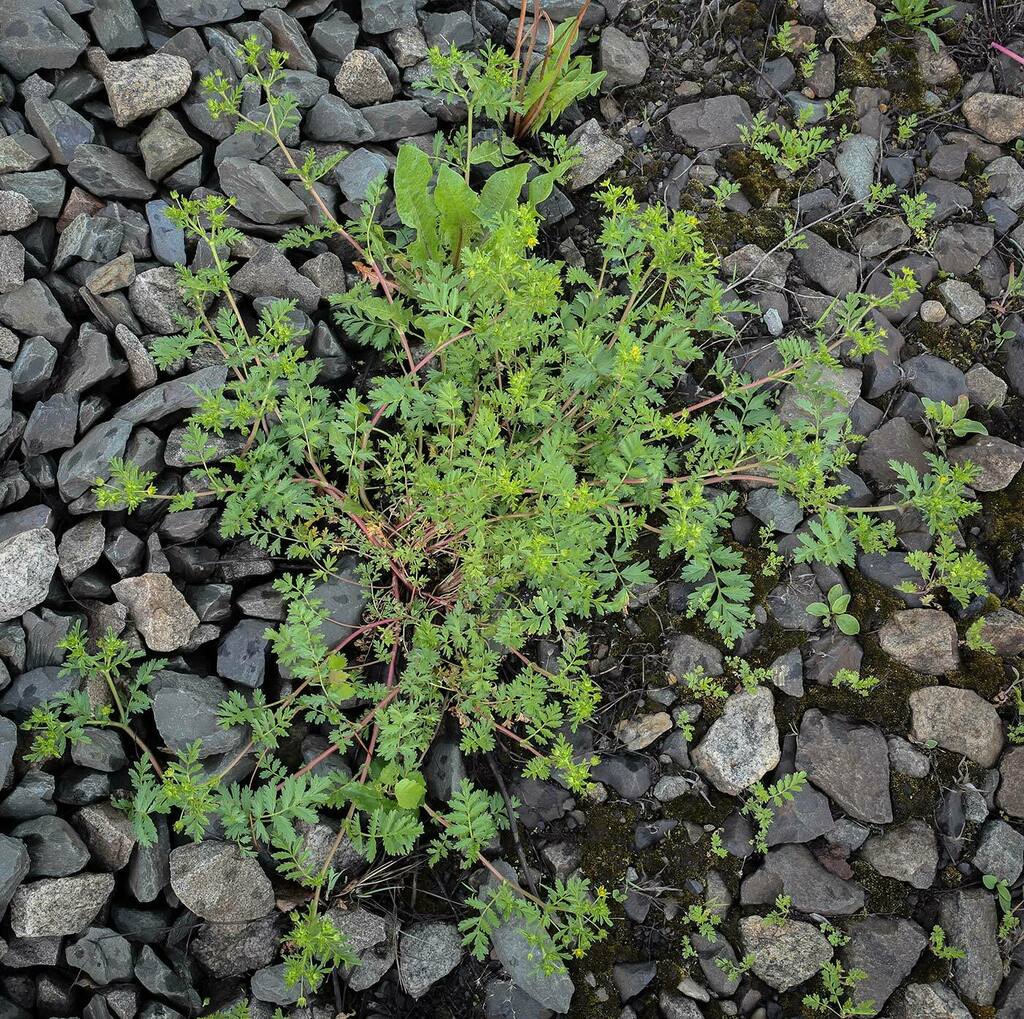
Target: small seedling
(833, 612)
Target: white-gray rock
(742, 745)
(27, 564)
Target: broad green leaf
(413, 200)
(456, 204)
(501, 192)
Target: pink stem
(1007, 53)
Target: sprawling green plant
(918, 16)
(522, 433)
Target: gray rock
(242, 653)
(81, 547)
(92, 238)
(380, 16)
(856, 160)
(905, 760)
(14, 866)
(887, 949)
(12, 264)
(116, 25)
(963, 302)
(362, 81)
(59, 905)
(269, 274)
(268, 984)
(793, 870)
(20, 152)
(37, 34)
(33, 310)
(851, 20)
(138, 88)
(787, 672)
(985, 389)
(848, 762)
(184, 393)
(186, 13)
(551, 990)
(43, 190)
(686, 653)
(58, 127)
(894, 440)
(1010, 795)
(233, 949)
(158, 978)
(1000, 851)
(997, 460)
(908, 852)
(630, 777)
(779, 511)
(742, 745)
(334, 120)
(881, 235)
(935, 378)
(924, 640)
(52, 425)
(165, 146)
(624, 60)
(969, 919)
(1006, 181)
(344, 598)
(27, 564)
(103, 954)
(166, 239)
(185, 710)
(835, 271)
(506, 1001)
(1004, 630)
(785, 954)
(788, 601)
(427, 952)
(8, 746)
(334, 37)
(357, 171)
(957, 720)
(90, 458)
(258, 192)
(16, 211)
(108, 834)
(997, 118)
(403, 118)
(934, 1000)
(961, 247)
(710, 123)
(31, 689)
(214, 881)
(108, 174)
(163, 617)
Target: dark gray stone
(104, 172)
(103, 954)
(14, 867)
(33, 310)
(242, 654)
(792, 870)
(848, 762)
(90, 458)
(37, 34)
(887, 949)
(333, 120)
